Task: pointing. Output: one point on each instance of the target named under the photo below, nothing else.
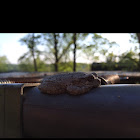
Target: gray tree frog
(74, 83)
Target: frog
(73, 83)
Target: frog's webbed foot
(103, 81)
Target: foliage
(93, 50)
(27, 65)
(42, 67)
(64, 42)
(134, 38)
(27, 40)
(67, 67)
(4, 64)
(98, 47)
(83, 67)
(57, 47)
(111, 58)
(31, 41)
(60, 54)
(130, 60)
(127, 62)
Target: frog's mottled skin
(73, 83)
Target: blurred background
(67, 52)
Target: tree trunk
(56, 53)
(138, 35)
(74, 52)
(34, 60)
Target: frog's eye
(90, 77)
(95, 74)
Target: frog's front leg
(77, 90)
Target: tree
(111, 58)
(135, 39)
(128, 61)
(27, 65)
(74, 52)
(138, 36)
(4, 64)
(97, 48)
(77, 42)
(58, 44)
(31, 41)
(56, 51)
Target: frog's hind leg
(77, 90)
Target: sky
(13, 49)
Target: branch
(23, 56)
(65, 50)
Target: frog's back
(65, 76)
